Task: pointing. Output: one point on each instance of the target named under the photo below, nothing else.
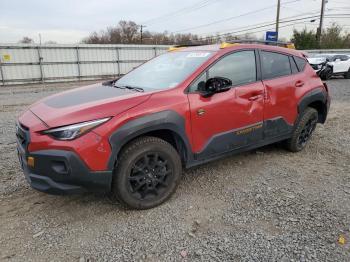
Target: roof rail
(177, 47)
(265, 42)
(231, 43)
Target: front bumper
(58, 171)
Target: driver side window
(239, 67)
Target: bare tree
(26, 40)
(129, 31)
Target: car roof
(237, 46)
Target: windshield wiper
(138, 89)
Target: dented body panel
(201, 128)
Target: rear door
(282, 80)
(232, 119)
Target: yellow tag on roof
(291, 46)
(225, 45)
(174, 48)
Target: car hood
(86, 103)
(316, 60)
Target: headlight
(73, 131)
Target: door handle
(256, 95)
(299, 83)
(253, 98)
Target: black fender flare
(163, 120)
(315, 95)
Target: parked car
(131, 137)
(338, 64)
(325, 70)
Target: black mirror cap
(216, 85)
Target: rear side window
(300, 63)
(344, 58)
(293, 66)
(274, 65)
(341, 57)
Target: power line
(242, 27)
(283, 21)
(181, 11)
(225, 20)
(283, 26)
(232, 17)
(273, 23)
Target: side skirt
(239, 150)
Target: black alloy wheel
(306, 132)
(147, 173)
(303, 129)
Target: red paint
(238, 107)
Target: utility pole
(319, 31)
(278, 16)
(142, 26)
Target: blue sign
(271, 36)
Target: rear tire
(303, 130)
(147, 173)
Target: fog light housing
(30, 161)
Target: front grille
(22, 134)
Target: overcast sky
(68, 21)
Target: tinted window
(300, 63)
(239, 67)
(274, 65)
(335, 58)
(344, 58)
(293, 65)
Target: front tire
(327, 74)
(303, 130)
(347, 74)
(147, 173)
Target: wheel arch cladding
(167, 125)
(317, 99)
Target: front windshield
(165, 71)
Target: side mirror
(216, 85)
(337, 60)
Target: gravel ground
(264, 205)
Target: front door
(228, 120)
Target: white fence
(22, 63)
(329, 51)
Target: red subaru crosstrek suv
(132, 136)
